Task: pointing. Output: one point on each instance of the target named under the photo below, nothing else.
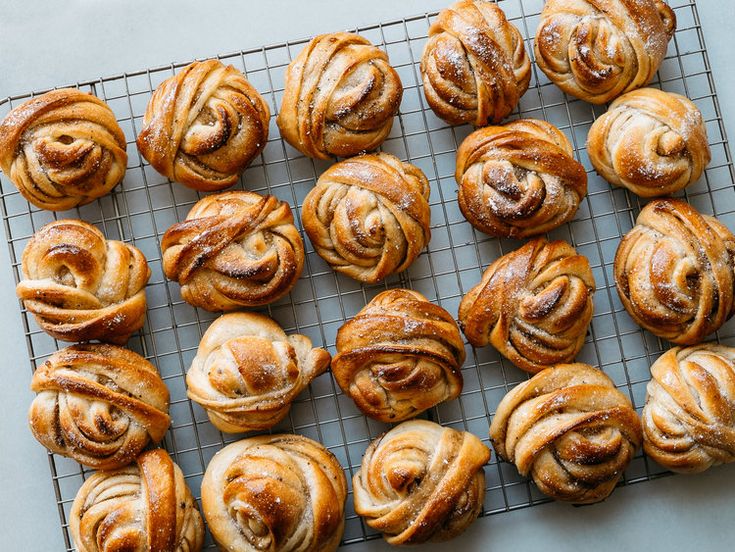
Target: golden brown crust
(675, 272)
(80, 286)
(247, 371)
(369, 216)
(145, 506)
(340, 97)
(533, 305)
(519, 180)
(275, 492)
(62, 149)
(597, 50)
(204, 126)
(421, 482)
(235, 249)
(569, 429)
(98, 404)
(652, 142)
(475, 67)
(399, 356)
(689, 416)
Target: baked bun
(247, 371)
(204, 126)
(235, 249)
(474, 66)
(282, 493)
(368, 216)
(569, 429)
(98, 404)
(62, 149)
(652, 142)
(145, 506)
(340, 97)
(80, 286)
(421, 482)
(399, 356)
(596, 50)
(533, 305)
(519, 180)
(689, 417)
(675, 272)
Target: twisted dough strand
(204, 126)
(235, 249)
(596, 50)
(80, 286)
(98, 404)
(519, 180)
(689, 416)
(145, 506)
(421, 482)
(247, 371)
(569, 429)
(281, 493)
(62, 149)
(369, 216)
(674, 272)
(475, 67)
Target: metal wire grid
(141, 209)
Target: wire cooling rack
(141, 209)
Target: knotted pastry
(62, 149)
(674, 272)
(421, 482)
(399, 356)
(598, 49)
(533, 305)
(368, 216)
(204, 126)
(519, 180)
(247, 371)
(340, 97)
(570, 429)
(281, 493)
(80, 286)
(651, 142)
(475, 67)
(143, 507)
(689, 417)
(235, 249)
(98, 404)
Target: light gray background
(44, 44)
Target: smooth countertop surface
(45, 44)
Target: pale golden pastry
(652, 142)
(475, 67)
(598, 49)
(144, 507)
(519, 180)
(247, 371)
(281, 493)
(399, 356)
(369, 216)
(675, 272)
(534, 305)
(570, 430)
(98, 404)
(204, 126)
(689, 416)
(80, 286)
(340, 97)
(421, 482)
(235, 249)
(62, 149)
